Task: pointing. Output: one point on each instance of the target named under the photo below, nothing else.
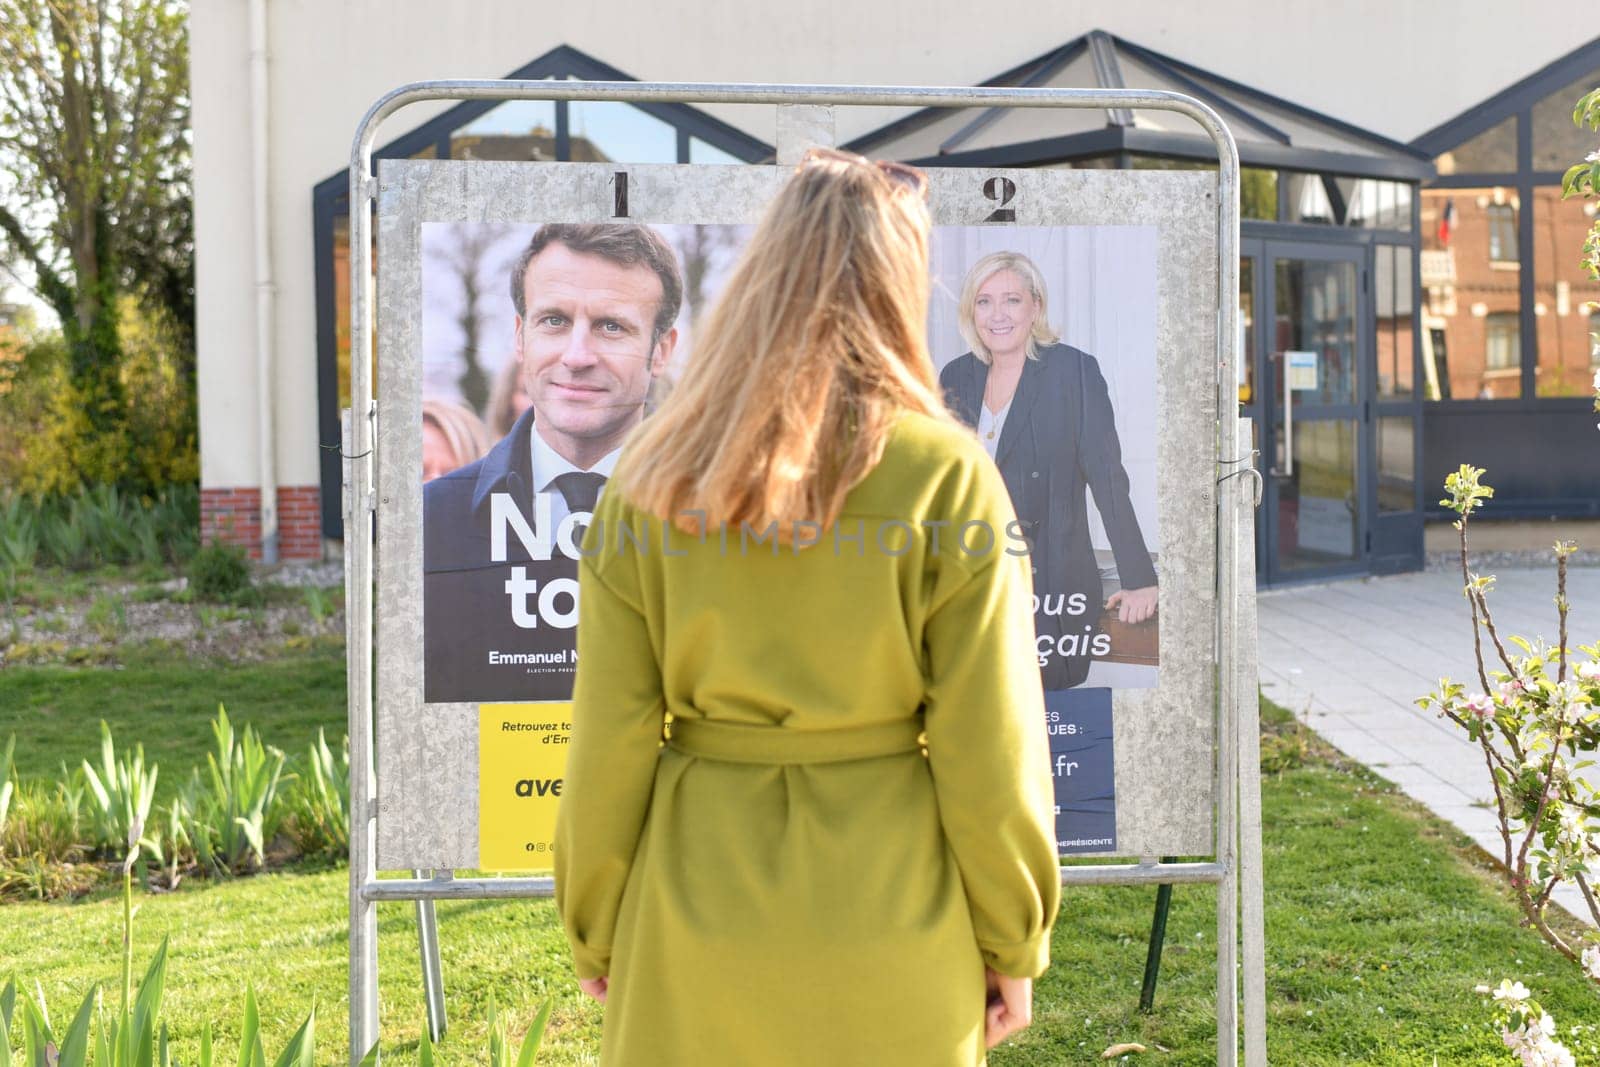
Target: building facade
(1401, 198)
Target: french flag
(1447, 221)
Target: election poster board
(491, 271)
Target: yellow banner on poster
(522, 756)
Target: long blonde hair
(981, 272)
(817, 343)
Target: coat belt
(749, 743)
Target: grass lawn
(1380, 921)
(55, 712)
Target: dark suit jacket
(466, 610)
(1059, 439)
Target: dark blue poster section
(1079, 721)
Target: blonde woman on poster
(1042, 410)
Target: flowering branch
(1532, 710)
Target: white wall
(1395, 68)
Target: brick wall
(234, 516)
(300, 522)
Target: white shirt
(989, 425)
(548, 465)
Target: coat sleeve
(1100, 454)
(617, 710)
(988, 749)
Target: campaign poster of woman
(1045, 342)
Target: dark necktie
(580, 489)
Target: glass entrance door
(1306, 331)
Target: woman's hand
(1010, 1007)
(1134, 605)
(595, 987)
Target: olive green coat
(768, 909)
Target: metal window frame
(1515, 102)
(1236, 779)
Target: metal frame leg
(358, 664)
(432, 971)
(1158, 938)
(1252, 874)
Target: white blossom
(1590, 670)
(1480, 707)
(1574, 829)
(1510, 993)
(1567, 700)
(1591, 962)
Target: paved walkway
(1352, 656)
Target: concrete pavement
(1350, 657)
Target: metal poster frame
(805, 117)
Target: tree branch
(1466, 589)
(51, 287)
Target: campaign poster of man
(544, 346)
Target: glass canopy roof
(1269, 131)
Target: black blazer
(1059, 439)
(466, 610)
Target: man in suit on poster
(595, 306)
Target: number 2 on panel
(1000, 191)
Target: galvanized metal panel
(1165, 737)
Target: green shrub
(107, 617)
(50, 446)
(19, 534)
(321, 602)
(122, 791)
(37, 877)
(222, 821)
(98, 526)
(319, 801)
(220, 572)
(243, 809)
(7, 787)
(44, 829)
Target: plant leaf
(302, 1048)
(497, 1035)
(147, 1004)
(535, 1035)
(250, 1032)
(37, 1043)
(75, 1046)
(5, 1034)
